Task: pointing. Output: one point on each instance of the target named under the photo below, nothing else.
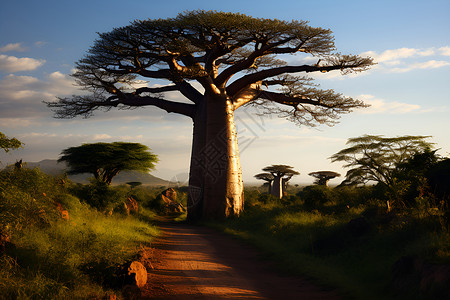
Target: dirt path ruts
(193, 262)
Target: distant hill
(52, 167)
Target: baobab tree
(281, 175)
(235, 60)
(266, 177)
(322, 177)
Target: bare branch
(344, 63)
(66, 108)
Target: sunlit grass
(316, 242)
(54, 258)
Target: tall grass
(53, 258)
(312, 237)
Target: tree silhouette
(322, 177)
(106, 160)
(375, 158)
(281, 175)
(236, 60)
(266, 177)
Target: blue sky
(408, 89)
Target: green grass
(316, 242)
(53, 258)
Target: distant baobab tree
(219, 62)
(266, 177)
(322, 177)
(281, 175)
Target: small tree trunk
(223, 176)
(277, 187)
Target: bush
(100, 195)
(317, 195)
(49, 257)
(28, 198)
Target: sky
(408, 89)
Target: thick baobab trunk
(277, 187)
(197, 168)
(223, 189)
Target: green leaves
(374, 157)
(106, 160)
(9, 143)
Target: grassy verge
(319, 242)
(50, 257)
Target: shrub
(48, 257)
(100, 195)
(317, 195)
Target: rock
(5, 242)
(170, 193)
(64, 213)
(131, 205)
(137, 274)
(169, 197)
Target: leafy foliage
(281, 170)
(329, 233)
(48, 257)
(322, 177)
(212, 47)
(106, 160)
(9, 143)
(375, 158)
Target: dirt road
(193, 262)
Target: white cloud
(431, 64)
(445, 51)
(98, 137)
(16, 122)
(378, 106)
(12, 47)
(396, 54)
(22, 96)
(16, 64)
(40, 44)
(408, 59)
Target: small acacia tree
(235, 60)
(374, 158)
(8, 144)
(322, 177)
(106, 160)
(281, 175)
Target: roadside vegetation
(61, 240)
(372, 241)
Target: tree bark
(277, 187)
(197, 168)
(223, 189)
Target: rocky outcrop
(131, 205)
(169, 196)
(64, 213)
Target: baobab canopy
(234, 60)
